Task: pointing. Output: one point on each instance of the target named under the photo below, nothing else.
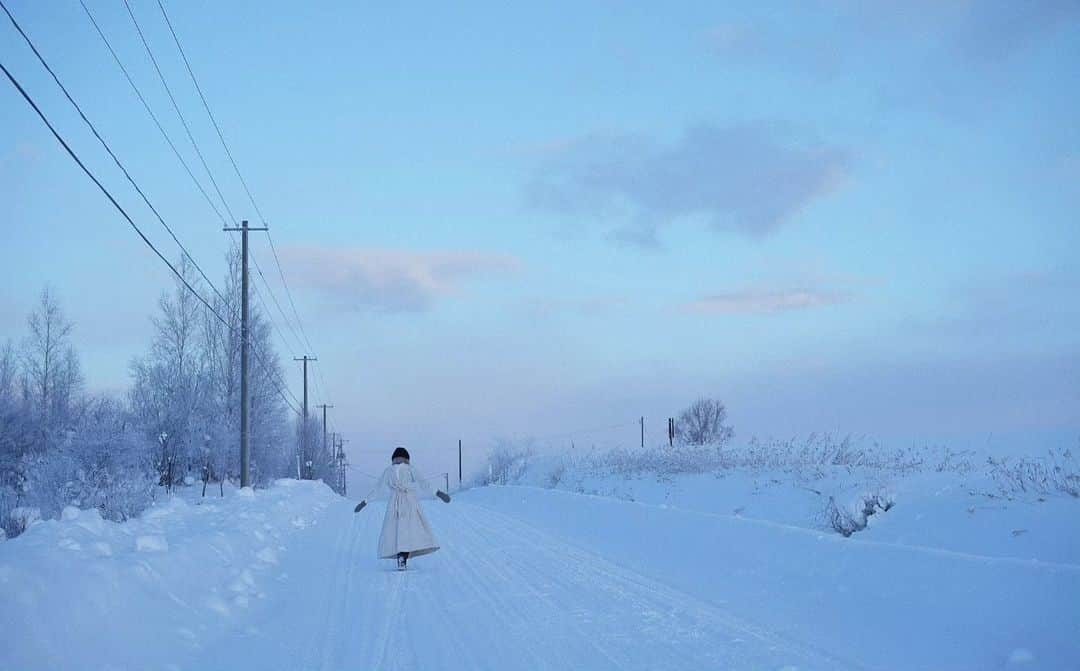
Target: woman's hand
(443, 495)
(359, 506)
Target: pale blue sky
(856, 217)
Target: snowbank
(82, 592)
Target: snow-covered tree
(703, 423)
(169, 383)
(51, 374)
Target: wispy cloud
(387, 280)
(756, 301)
(946, 53)
(750, 179)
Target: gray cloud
(750, 179)
(390, 280)
(946, 53)
(756, 301)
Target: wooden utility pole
(303, 426)
(343, 464)
(245, 459)
(327, 448)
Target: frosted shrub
(846, 521)
(506, 462)
(1057, 473)
(22, 517)
(808, 458)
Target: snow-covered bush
(506, 462)
(1057, 473)
(846, 520)
(22, 517)
(809, 458)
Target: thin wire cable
(273, 297)
(239, 174)
(236, 167)
(206, 105)
(288, 293)
(176, 107)
(116, 160)
(108, 195)
(129, 178)
(274, 326)
(153, 116)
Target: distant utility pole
(245, 458)
(343, 464)
(458, 465)
(303, 426)
(643, 432)
(671, 431)
(325, 446)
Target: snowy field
(736, 571)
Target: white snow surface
(534, 578)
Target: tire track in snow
(317, 638)
(331, 630)
(574, 643)
(500, 595)
(701, 622)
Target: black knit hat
(400, 453)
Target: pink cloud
(390, 280)
(764, 301)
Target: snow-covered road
(286, 578)
(499, 595)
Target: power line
(116, 160)
(232, 161)
(273, 297)
(108, 195)
(236, 168)
(206, 105)
(288, 293)
(130, 179)
(180, 114)
(153, 116)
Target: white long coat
(404, 529)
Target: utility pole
(326, 447)
(344, 464)
(245, 458)
(643, 432)
(458, 465)
(303, 426)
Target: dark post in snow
(671, 431)
(458, 464)
(245, 471)
(303, 425)
(344, 464)
(328, 448)
(643, 432)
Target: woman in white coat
(405, 531)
